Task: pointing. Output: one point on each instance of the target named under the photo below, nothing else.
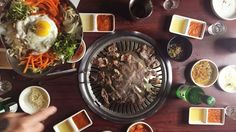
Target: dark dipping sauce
(81, 120)
(141, 8)
(105, 22)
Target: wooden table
(173, 117)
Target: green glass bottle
(194, 95)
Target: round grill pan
(123, 112)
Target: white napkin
(75, 2)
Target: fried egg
(38, 32)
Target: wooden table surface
(173, 116)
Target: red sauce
(195, 29)
(105, 22)
(139, 128)
(214, 115)
(81, 120)
(78, 53)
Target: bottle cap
(211, 101)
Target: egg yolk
(42, 28)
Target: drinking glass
(217, 28)
(170, 4)
(230, 111)
(5, 86)
(140, 8)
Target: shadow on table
(184, 116)
(162, 44)
(167, 23)
(228, 44)
(207, 6)
(187, 72)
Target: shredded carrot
(27, 65)
(41, 61)
(47, 5)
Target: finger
(14, 115)
(39, 127)
(42, 115)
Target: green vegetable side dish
(65, 46)
(18, 10)
(175, 51)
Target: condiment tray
(206, 116)
(75, 123)
(90, 22)
(184, 26)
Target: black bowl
(183, 44)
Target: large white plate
(225, 9)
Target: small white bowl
(214, 76)
(224, 10)
(78, 54)
(228, 75)
(143, 123)
(24, 102)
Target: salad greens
(65, 46)
(18, 10)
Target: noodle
(202, 73)
(38, 98)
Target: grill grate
(122, 112)
(124, 46)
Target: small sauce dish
(140, 127)
(75, 123)
(79, 54)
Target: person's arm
(21, 122)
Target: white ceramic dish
(24, 102)
(72, 124)
(93, 22)
(186, 26)
(227, 79)
(79, 54)
(204, 117)
(144, 123)
(225, 9)
(214, 76)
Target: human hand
(21, 122)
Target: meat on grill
(127, 77)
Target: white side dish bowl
(225, 9)
(140, 123)
(214, 76)
(26, 105)
(227, 79)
